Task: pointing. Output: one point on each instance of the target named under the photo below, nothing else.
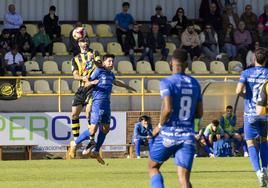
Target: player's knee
(250, 143)
(74, 116)
(106, 129)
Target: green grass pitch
(123, 173)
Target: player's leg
(263, 147)
(76, 110)
(138, 143)
(251, 132)
(104, 130)
(184, 159)
(206, 146)
(156, 177)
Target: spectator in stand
(250, 18)
(251, 54)
(135, 43)
(142, 134)
(261, 36)
(205, 6)
(190, 42)
(209, 41)
(230, 17)
(123, 21)
(213, 132)
(214, 18)
(25, 43)
(43, 43)
(263, 19)
(156, 41)
(243, 41)
(160, 20)
(179, 22)
(5, 42)
(229, 43)
(51, 23)
(73, 43)
(12, 20)
(14, 62)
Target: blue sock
(207, 149)
(254, 158)
(157, 181)
(100, 140)
(82, 137)
(264, 154)
(238, 145)
(245, 148)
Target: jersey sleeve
(243, 78)
(165, 89)
(262, 97)
(74, 65)
(95, 74)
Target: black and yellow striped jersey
(262, 99)
(85, 63)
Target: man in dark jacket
(51, 23)
(156, 41)
(24, 42)
(134, 43)
(160, 20)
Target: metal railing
(142, 93)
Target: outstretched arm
(121, 84)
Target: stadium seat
(171, 46)
(66, 29)
(64, 87)
(32, 68)
(125, 67)
(103, 30)
(235, 67)
(97, 46)
(50, 67)
(136, 84)
(26, 87)
(144, 67)
(117, 89)
(153, 86)
(42, 86)
(59, 48)
(162, 67)
(66, 67)
(114, 48)
(89, 30)
(31, 29)
(75, 86)
(199, 67)
(217, 67)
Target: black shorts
(82, 96)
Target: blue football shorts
(162, 149)
(254, 127)
(100, 114)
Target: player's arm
(240, 89)
(97, 59)
(121, 84)
(164, 114)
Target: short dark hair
(52, 7)
(229, 107)
(106, 56)
(125, 4)
(180, 55)
(260, 55)
(145, 118)
(22, 26)
(158, 7)
(215, 122)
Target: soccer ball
(79, 33)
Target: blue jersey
(252, 78)
(186, 93)
(103, 89)
(140, 132)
